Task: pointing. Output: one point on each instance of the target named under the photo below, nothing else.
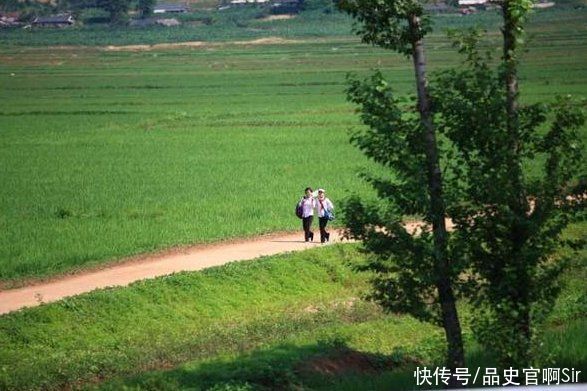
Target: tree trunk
(518, 203)
(450, 318)
(510, 62)
(510, 33)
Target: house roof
(472, 2)
(54, 19)
(14, 14)
(171, 7)
(248, 1)
(288, 2)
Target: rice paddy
(106, 154)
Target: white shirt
(308, 205)
(323, 204)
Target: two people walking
(323, 207)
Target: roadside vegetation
(295, 320)
(231, 309)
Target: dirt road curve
(196, 258)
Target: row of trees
(458, 153)
(117, 9)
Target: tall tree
(118, 9)
(502, 254)
(145, 7)
(399, 25)
(508, 224)
(509, 242)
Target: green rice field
(107, 153)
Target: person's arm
(330, 205)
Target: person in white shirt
(308, 203)
(323, 204)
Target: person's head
(321, 193)
(308, 191)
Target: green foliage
(387, 23)
(89, 16)
(326, 6)
(513, 277)
(145, 7)
(404, 262)
(77, 5)
(500, 255)
(118, 9)
(28, 9)
(423, 275)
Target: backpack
(300, 210)
(328, 214)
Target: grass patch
(376, 354)
(229, 309)
(295, 320)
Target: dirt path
(150, 266)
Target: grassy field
(105, 154)
(294, 321)
(109, 153)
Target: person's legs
(324, 236)
(307, 224)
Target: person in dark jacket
(308, 203)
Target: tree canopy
(458, 150)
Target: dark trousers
(307, 224)
(324, 236)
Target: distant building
(167, 22)
(54, 21)
(277, 6)
(287, 6)
(467, 7)
(468, 3)
(547, 4)
(248, 2)
(170, 9)
(9, 19)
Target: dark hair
(307, 188)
